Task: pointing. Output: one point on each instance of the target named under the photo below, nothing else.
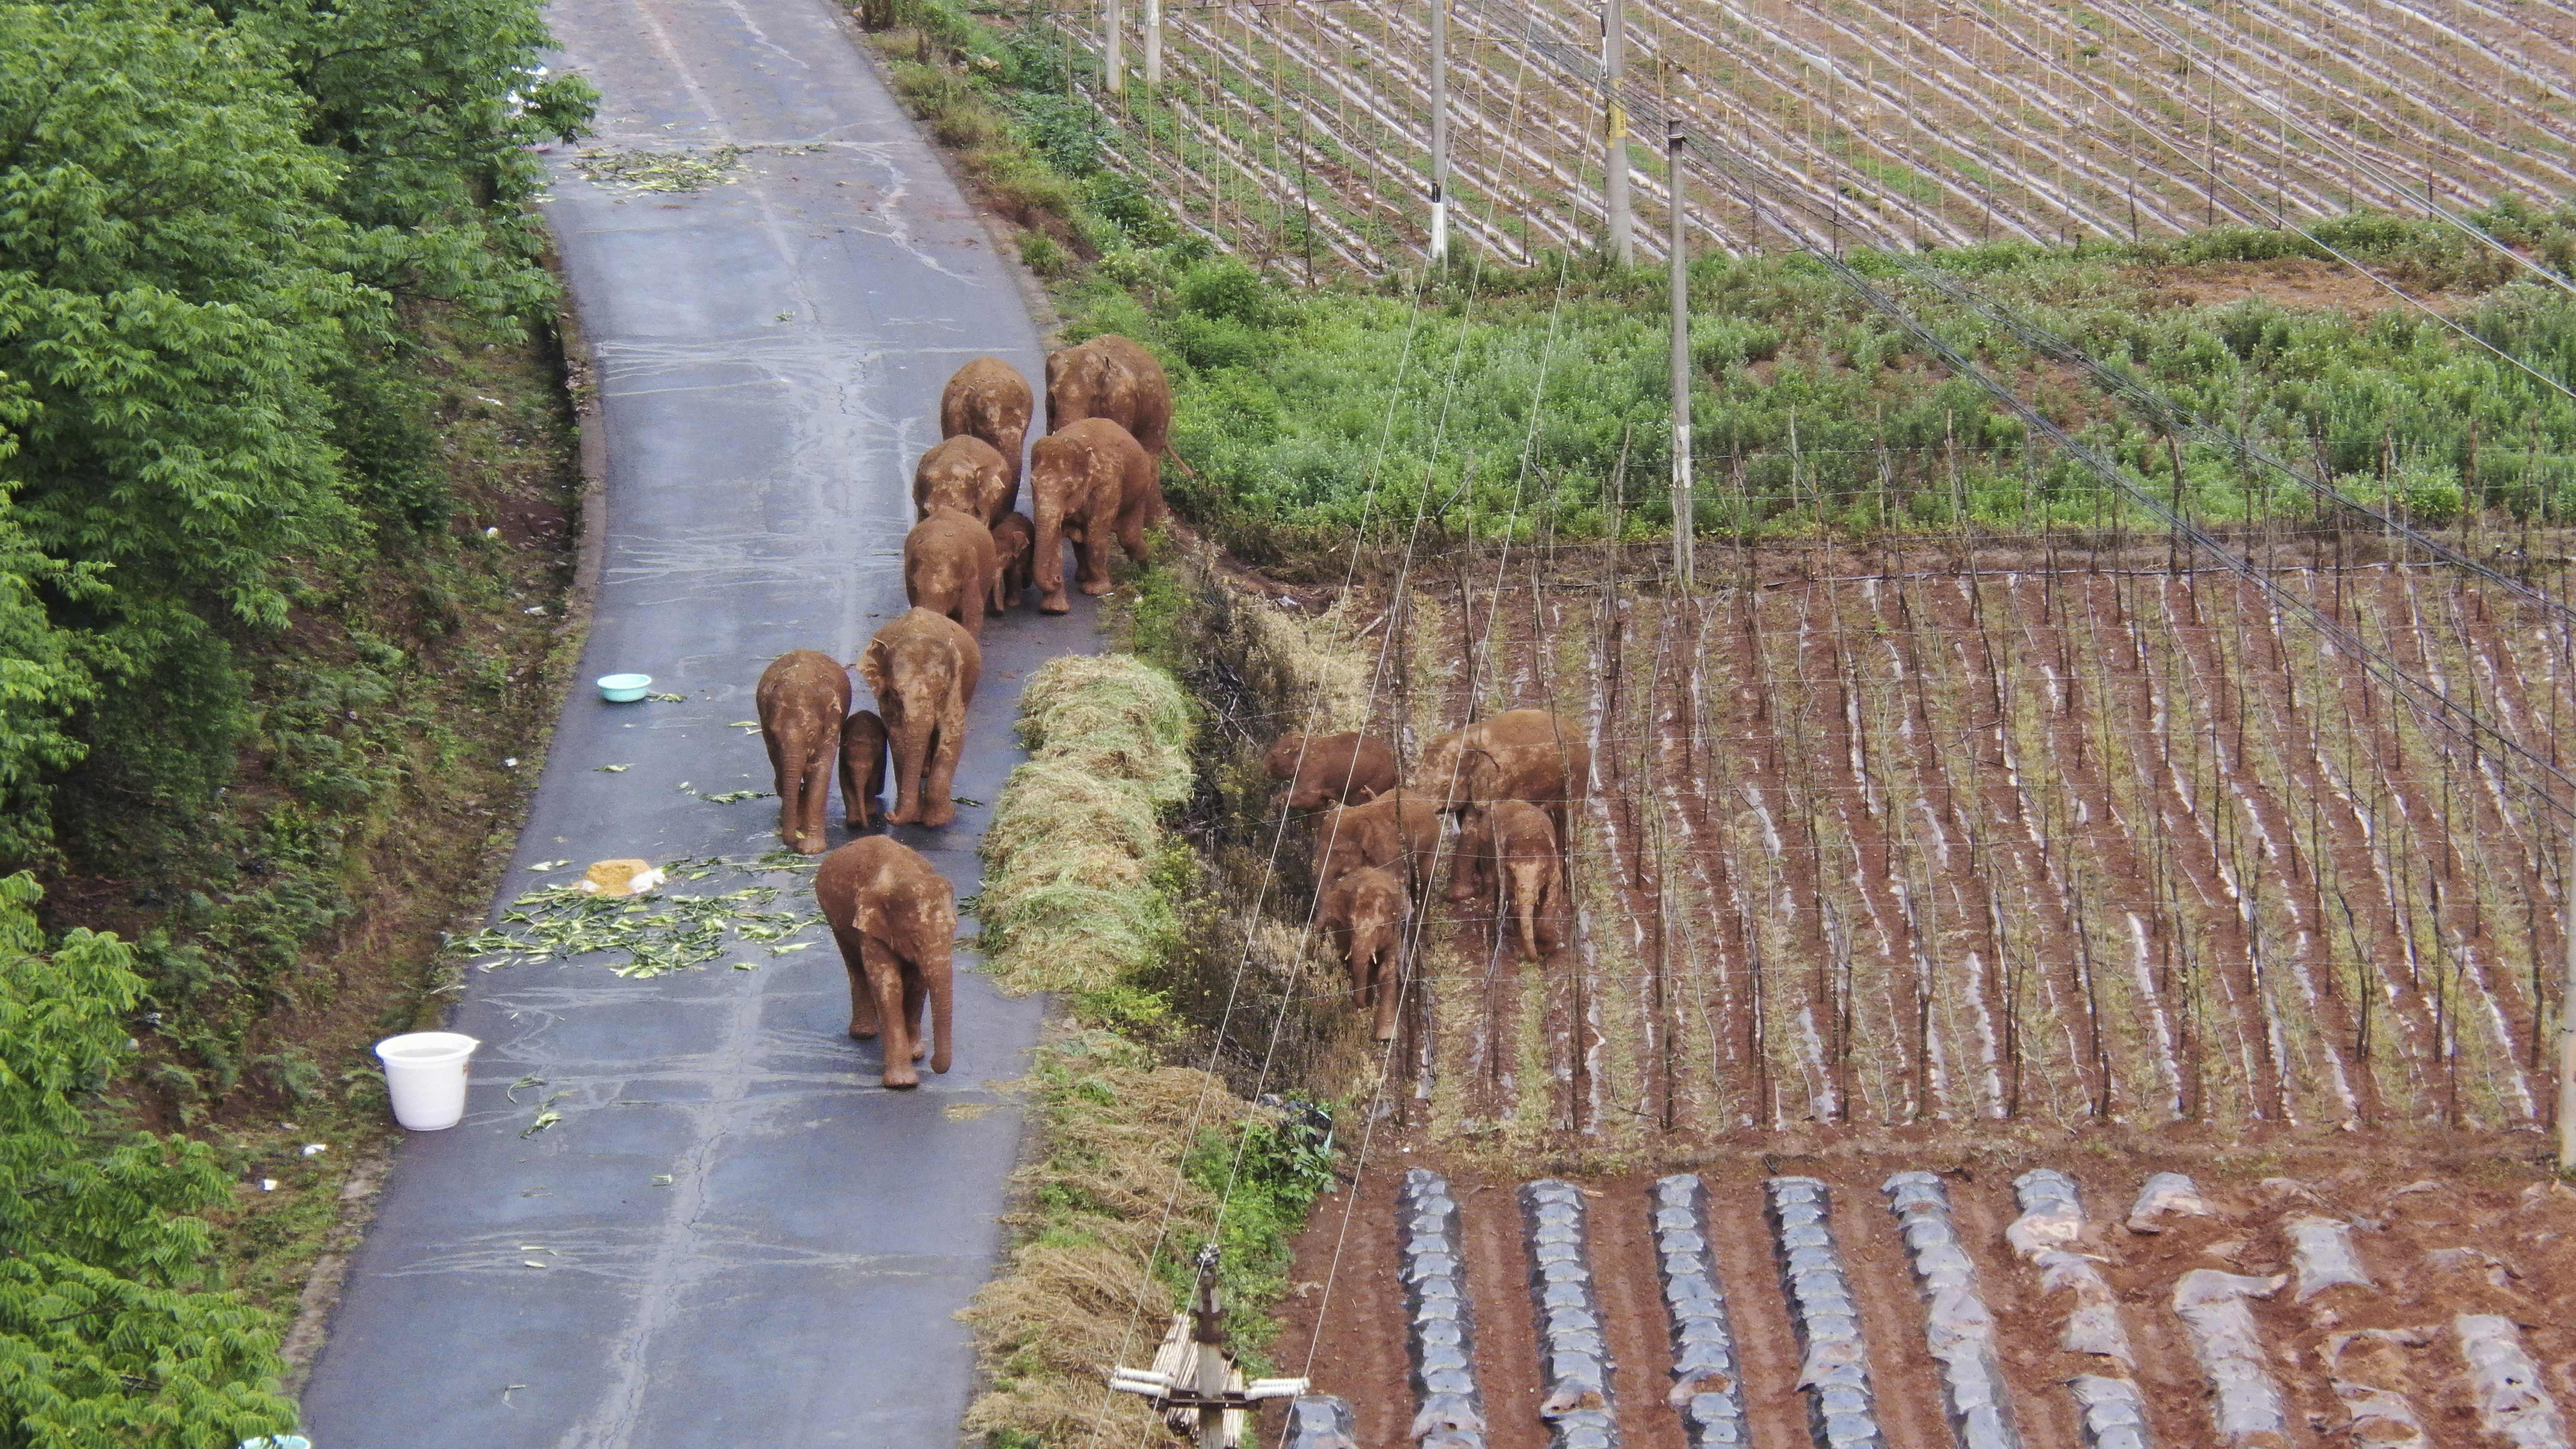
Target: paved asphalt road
(771, 351)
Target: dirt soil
(2292, 282)
(2408, 1200)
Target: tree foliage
(104, 1343)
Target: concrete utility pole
(1439, 130)
(1685, 514)
(2567, 1038)
(1113, 20)
(1153, 46)
(1614, 73)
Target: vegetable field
(1301, 131)
(1881, 840)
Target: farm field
(1301, 131)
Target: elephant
(803, 697)
(1015, 546)
(1521, 754)
(988, 399)
(948, 567)
(923, 667)
(1365, 913)
(1344, 769)
(863, 768)
(1512, 849)
(895, 920)
(1087, 483)
(1397, 831)
(964, 473)
(1111, 377)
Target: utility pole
(1153, 46)
(2567, 1035)
(1439, 131)
(1685, 516)
(1194, 1383)
(1113, 18)
(1614, 73)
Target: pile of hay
(1069, 902)
(1080, 1294)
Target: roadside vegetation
(286, 501)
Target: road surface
(742, 1238)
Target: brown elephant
(895, 919)
(988, 399)
(1344, 769)
(1398, 831)
(1015, 547)
(1512, 852)
(1088, 483)
(803, 696)
(965, 474)
(923, 667)
(1365, 913)
(948, 567)
(863, 768)
(1521, 754)
(1111, 377)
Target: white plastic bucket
(425, 1075)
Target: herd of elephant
(1093, 477)
(1512, 781)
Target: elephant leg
(1464, 861)
(785, 780)
(863, 1002)
(946, 743)
(970, 610)
(885, 980)
(1551, 900)
(1131, 532)
(909, 747)
(817, 799)
(1094, 554)
(1528, 885)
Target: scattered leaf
(661, 1179)
(613, 769)
(550, 865)
(544, 1120)
(962, 800)
(666, 173)
(746, 965)
(967, 1111)
(752, 725)
(783, 950)
(731, 797)
(668, 698)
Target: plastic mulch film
(1708, 1388)
(1957, 1326)
(2167, 1192)
(2115, 1415)
(2051, 1222)
(2244, 1398)
(2513, 1404)
(1320, 1421)
(1441, 1325)
(1574, 1358)
(1841, 1414)
(2321, 1250)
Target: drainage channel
(1841, 1413)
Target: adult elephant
(965, 474)
(1397, 831)
(895, 920)
(1365, 913)
(803, 699)
(949, 567)
(1321, 770)
(1512, 851)
(988, 399)
(1520, 754)
(1111, 377)
(1087, 483)
(923, 667)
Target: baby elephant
(923, 667)
(1015, 547)
(803, 697)
(863, 769)
(894, 918)
(1346, 769)
(964, 473)
(948, 567)
(1365, 913)
(1516, 841)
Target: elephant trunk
(911, 749)
(1046, 560)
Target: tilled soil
(2412, 1206)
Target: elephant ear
(872, 666)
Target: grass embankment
(1134, 1163)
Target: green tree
(104, 1342)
